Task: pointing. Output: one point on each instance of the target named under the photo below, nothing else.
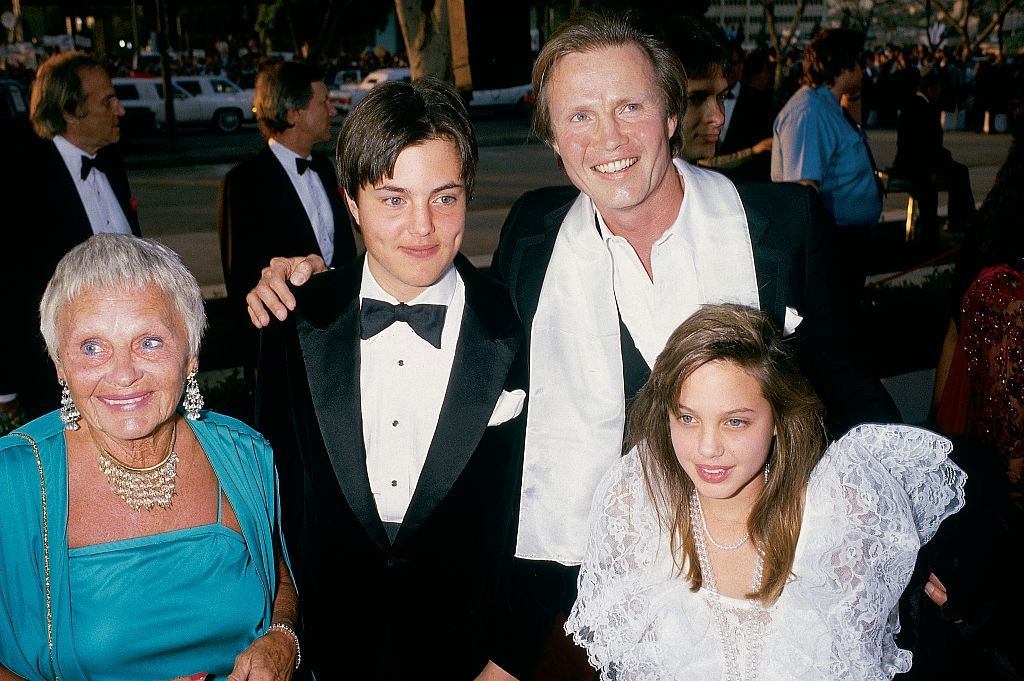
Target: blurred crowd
(238, 59)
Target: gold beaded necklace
(143, 487)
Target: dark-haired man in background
(285, 200)
(709, 86)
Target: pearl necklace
(144, 487)
(704, 526)
(751, 627)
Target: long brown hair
(748, 339)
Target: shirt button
(394, 423)
(394, 483)
(401, 362)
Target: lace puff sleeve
(878, 494)
(610, 616)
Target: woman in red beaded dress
(983, 393)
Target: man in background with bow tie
(285, 200)
(60, 186)
(386, 396)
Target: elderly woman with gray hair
(138, 539)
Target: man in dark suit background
(921, 157)
(395, 428)
(69, 183)
(285, 200)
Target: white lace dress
(875, 497)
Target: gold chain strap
(46, 553)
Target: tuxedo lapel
(483, 355)
(770, 264)
(329, 337)
(530, 263)
(281, 184)
(66, 195)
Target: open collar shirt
(652, 308)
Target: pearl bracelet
(295, 637)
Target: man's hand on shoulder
(271, 294)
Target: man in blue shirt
(816, 143)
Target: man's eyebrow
(402, 190)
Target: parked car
(13, 100)
(213, 100)
(518, 97)
(347, 96)
(350, 76)
(13, 110)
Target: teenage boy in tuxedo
(387, 399)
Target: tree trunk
(781, 43)
(427, 37)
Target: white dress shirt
(313, 197)
(403, 380)
(101, 206)
(651, 310)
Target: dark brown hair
(746, 338)
(57, 90)
(831, 50)
(396, 115)
(587, 31)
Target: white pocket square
(792, 321)
(509, 406)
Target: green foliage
(9, 422)
(267, 23)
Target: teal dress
(151, 607)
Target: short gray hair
(122, 262)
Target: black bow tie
(301, 164)
(427, 321)
(99, 163)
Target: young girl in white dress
(726, 545)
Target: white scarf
(577, 403)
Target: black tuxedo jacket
(424, 606)
(788, 231)
(751, 122)
(46, 216)
(260, 216)
(919, 150)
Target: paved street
(177, 203)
